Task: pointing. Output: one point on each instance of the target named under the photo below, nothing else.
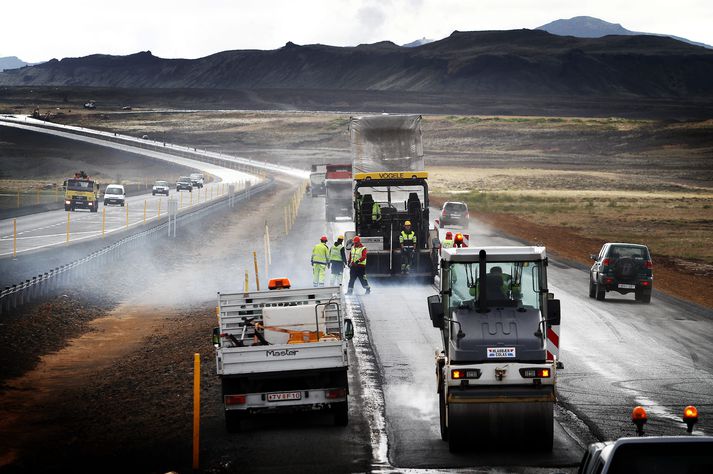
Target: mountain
(590, 27)
(418, 42)
(11, 62)
(497, 63)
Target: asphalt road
(617, 354)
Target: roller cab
(496, 371)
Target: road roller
(497, 371)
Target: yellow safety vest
(320, 253)
(375, 212)
(356, 255)
(407, 236)
(447, 244)
(335, 253)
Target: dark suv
(454, 213)
(621, 267)
(184, 182)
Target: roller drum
(477, 426)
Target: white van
(114, 194)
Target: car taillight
(606, 261)
(648, 264)
(644, 283)
(336, 393)
(234, 399)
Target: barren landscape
(567, 183)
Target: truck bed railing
(241, 314)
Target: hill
(517, 62)
(590, 27)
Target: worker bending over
(337, 261)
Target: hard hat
(459, 236)
(341, 237)
(323, 238)
(449, 235)
(407, 223)
(356, 239)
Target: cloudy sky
(44, 29)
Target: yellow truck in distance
(81, 192)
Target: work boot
(368, 290)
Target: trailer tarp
(386, 143)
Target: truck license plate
(283, 397)
(628, 287)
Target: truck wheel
(442, 411)
(232, 421)
(66, 207)
(601, 292)
(592, 288)
(122, 204)
(341, 413)
(94, 207)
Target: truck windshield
(508, 283)
(161, 183)
(113, 190)
(394, 196)
(80, 185)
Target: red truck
(338, 184)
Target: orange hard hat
(323, 238)
(449, 235)
(356, 239)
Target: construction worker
(337, 261)
(375, 212)
(320, 257)
(448, 241)
(357, 266)
(407, 240)
(358, 200)
(458, 241)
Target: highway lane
(47, 229)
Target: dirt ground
(118, 398)
(684, 279)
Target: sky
(44, 29)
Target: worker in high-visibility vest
(319, 260)
(337, 261)
(407, 240)
(375, 212)
(357, 266)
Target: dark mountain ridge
(483, 62)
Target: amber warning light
(278, 283)
(690, 417)
(639, 417)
